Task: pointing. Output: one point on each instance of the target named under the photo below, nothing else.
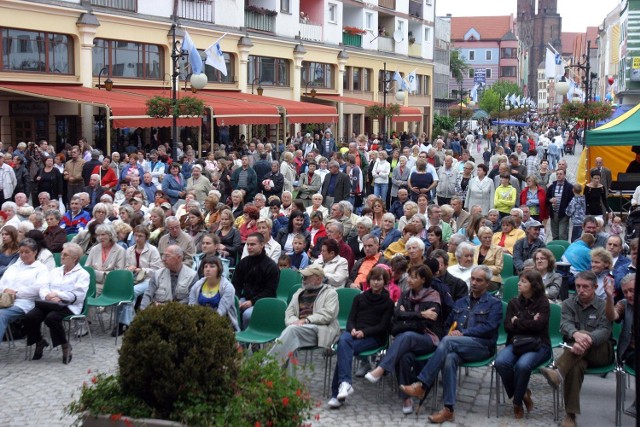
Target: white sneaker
(344, 391)
(334, 403)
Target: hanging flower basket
(378, 111)
(160, 106)
(190, 106)
(592, 111)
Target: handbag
(7, 300)
(524, 344)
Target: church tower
(538, 27)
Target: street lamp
(313, 92)
(461, 94)
(198, 81)
(400, 95)
(108, 83)
(260, 89)
(562, 86)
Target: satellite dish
(398, 36)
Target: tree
(504, 88)
(457, 64)
(490, 101)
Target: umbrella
(480, 114)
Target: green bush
(172, 352)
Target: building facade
(325, 53)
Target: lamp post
(399, 97)
(313, 92)
(562, 85)
(260, 89)
(459, 93)
(198, 81)
(108, 83)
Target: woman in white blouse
(288, 171)
(480, 190)
(336, 269)
(106, 255)
(63, 295)
(380, 173)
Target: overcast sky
(577, 15)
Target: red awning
(127, 110)
(226, 111)
(407, 114)
(295, 111)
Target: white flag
(215, 58)
(400, 83)
(413, 82)
(552, 65)
(517, 103)
(512, 99)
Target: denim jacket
(480, 322)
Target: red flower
(128, 423)
(285, 401)
(257, 424)
(94, 379)
(89, 371)
(115, 417)
(269, 384)
(298, 392)
(317, 417)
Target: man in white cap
(311, 317)
(525, 247)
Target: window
(426, 85)
(285, 6)
(487, 73)
(269, 71)
(213, 75)
(508, 53)
(487, 55)
(366, 79)
(346, 78)
(361, 79)
(381, 79)
(472, 55)
(427, 34)
(128, 59)
(368, 20)
(317, 74)
(508, 71)
(333, 13)
(36, 51)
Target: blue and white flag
(215, 58)
(194, 56)
(474, 93)
(400, 83)
(517, 103)
(512, 99)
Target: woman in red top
(317, 232)
(251, 214)
(534, 196)
(108, 178)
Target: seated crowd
(428, 238)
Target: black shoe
(66, 353)
(40, 346)
(119, 330)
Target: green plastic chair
(481, 364)
(555, 314)
(117, 290)
(71, 236)
(57, 257)
(556, 250)
(288, 279)
(83, 315)
(238, 312)
(266, 323)
(510, 288)
(507, 269)
(292, 292)
(345, 301)
(83, 260)
(564, 243)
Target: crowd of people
(420, 228)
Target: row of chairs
(557, 248)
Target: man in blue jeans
(473, 326)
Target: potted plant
(412, 39)
(158, 106)
(190, 106)
(260, 10)
(354, 31)
(180, 365)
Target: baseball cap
(534, 224)
(165, 205)
(312, 270)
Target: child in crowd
(577, 210)
(298, 258)
(399, 268)
(284, 263)
(616, 228)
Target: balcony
(200, 10)
(258, 21)
(311, 32)
(387, 4)
(128, 5)
(351, 39)
(415, 50)
(386, 44)
(415, 9)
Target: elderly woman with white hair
(387, 233)
(363, 227)
(410, 208)
(465, 253)
(62, 293)
(106, 256)
(415, 251)
(400, 177)
(288, 171)
(11, 210)
(198, 183)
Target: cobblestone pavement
(35, 393)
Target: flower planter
(89, 420)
